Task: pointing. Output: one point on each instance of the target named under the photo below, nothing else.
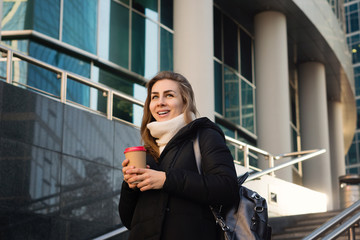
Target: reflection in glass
(79, 24)
(166, 50)
(39, 79)
(14, 15)
(247, 106)
(144, 50)
(147, 7)
(58, 59)
(85, 95)
(119, 35)
(24, 15)
(231, 87)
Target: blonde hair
(187, 94)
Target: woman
(172, 199)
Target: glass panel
(166, 51)
(230, 43)
(116, 81)
(147, 7)
(354, 21)
(16, 15)
(144, 50)
(47, 17)
(80, 27)
(85, 95)
(127, 111)
(246, 56)
(119, 35)
(230, 133)
(167, 13)
(58, 59)
(232, 109)
(36, 77)
(218, 88)
(217, 33)
(358, 114)
(247, 106)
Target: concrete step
(300, 226)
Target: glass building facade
(61, 166)
(352, 11)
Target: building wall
(60, 168)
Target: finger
(125, 162)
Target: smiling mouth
(163, 112)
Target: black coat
(181, 209)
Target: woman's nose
(161, 101)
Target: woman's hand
(147, 178)
(128, 176)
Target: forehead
(165, 85)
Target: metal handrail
(63, 76)
(313, 153)
(334, 221)
(111, 234)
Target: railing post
(352, 233)
(109, 112)
(63, 86)
(9, 66)
(271, 164)
(246, 157)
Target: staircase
(300, 226)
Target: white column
(314, 127)
(193, 50)
(337, 151)
(272, 87)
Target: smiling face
(166, 101)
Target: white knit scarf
(164, 131)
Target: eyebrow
(166, 91)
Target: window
(233, 73)
(80, 24)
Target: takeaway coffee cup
(136, 156)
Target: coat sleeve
(127, 204)
(218, 182)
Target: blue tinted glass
(218, 88)
(166, 50)
(147, 7)
(47, 17)
(231, 85)
(16, 15)
(247, 106)
(77, 92)
(119, 35)
(58, 59)
(144, 47)
(79, 24)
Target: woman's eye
(154, 97)
(169, 95)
